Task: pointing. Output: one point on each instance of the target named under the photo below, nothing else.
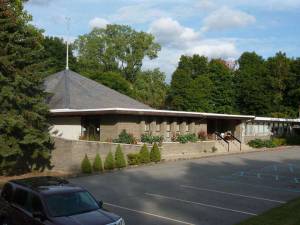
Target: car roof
(47, 184)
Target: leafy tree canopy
(150, 88)
(116, 48)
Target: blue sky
(215, 28)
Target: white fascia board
(271, 119)
(170, 112)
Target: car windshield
(67, 204)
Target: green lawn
(287, 214)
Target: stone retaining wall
(68, 154)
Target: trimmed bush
(144, 154)
(120, 161)
(258, 143)
(109, 163)
(97, 165)
(185, 138)
(279, 141)
(148, 138)
(155, 155)
(125, 138)
(133, 159)
(86, 166)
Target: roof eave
(146, 112)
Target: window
(168, 127)
(35, 204)
(177, 128)
(157, 127)
(20, 198)
(147, 127)
(187, 128)
(70, 203)
(7, 192)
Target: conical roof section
(70, 90)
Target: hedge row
(117, 160)
(144, 156)
(111, 162)
(275, 142)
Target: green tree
(252, 85)
(116, 48)
(54, 55)
(109, 163)
(86, 166)
(155, 155)
(120, 158)
(292, 97)
(25, 143)
(223, 95)
(97, 165)
(191, 87)
(114, 80)
(150, 88)
(279, 71)
(144, 154)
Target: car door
(25, 203)
(34, 204)
(18, 206)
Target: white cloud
(138, 13)
(98, 23)
(226, 18)
(177, 40)
(215, 48)
(169, 32)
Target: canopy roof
(70, 90)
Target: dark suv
(51, 201)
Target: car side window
(20, 198)
(7, 192)
(36, 204)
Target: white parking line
(233, 194)
(199, 203)
(149, 214)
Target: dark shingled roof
(70, 90)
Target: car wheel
(5, 221)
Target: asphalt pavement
(221, 190)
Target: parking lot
(208, 191)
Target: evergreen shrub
(109, 163)
(144, 154)
(97, 165)
(133, 159)
(86, 166)
(155, 155)
(120, 161)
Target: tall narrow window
(158, 127)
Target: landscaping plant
(133, 159)
(144, 154)
(120, 161)
(97, 165)
(109, 163)
(86, 166)
(155, 155)
(148, 138)
(185, 138)
(125, 138)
